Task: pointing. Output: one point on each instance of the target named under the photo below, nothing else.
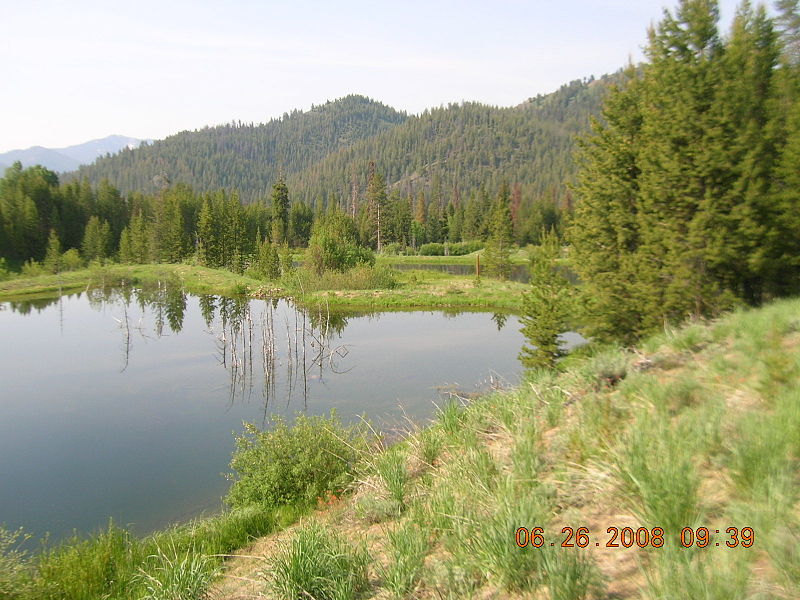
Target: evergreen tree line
(41, 219)
(689, 187)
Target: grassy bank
(176, 564)
(409, 289)
(422, 289)
(195, 279)
(698, 428)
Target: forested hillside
(245, 157)
(453, 151)
(445, 152)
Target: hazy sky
(77, 70)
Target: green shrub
(462, 248)
(71, 260)
(393, 249)
(333, 245)
(434, 249)
(318, 563)
(31, 268)
(299, 463)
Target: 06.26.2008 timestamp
(627, 537)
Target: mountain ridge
(324, 153)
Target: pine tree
(267, 261)
(789, 24)
(280, 212)
(546, 307)
(498, 249)
(733, 221)
(126, 254)
(376, 203)
(52, 258)
(786, 199)
(207, 238)
(678, 90)
(604, 233)
(96, 240)
(286, 261)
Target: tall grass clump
(689, 338)
(408, 546)
(362, 277)
(450, 417)
(289, 464)
(708, 574)
(85, 569)
(488, 541)
(391, 467)
(218, 535)
(760, 455)
(785, 554)
(570, 574)
(15, 572)
(176, 574)
(428, 443)
(319, 563)
(526, 454)
(655, 466)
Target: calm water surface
(123, 403)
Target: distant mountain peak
(70, 157)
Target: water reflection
(270, 340)
(259, 343)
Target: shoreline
(416, 290)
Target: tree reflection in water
(280, 342)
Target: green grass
(199, 280)
(115, 564)
(427, 289)
(407, 547)
(391, 467)
(318, 563)
(176, 574)
(360, 289)
(658, 475)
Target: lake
(123, 403)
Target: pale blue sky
(78, 70)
